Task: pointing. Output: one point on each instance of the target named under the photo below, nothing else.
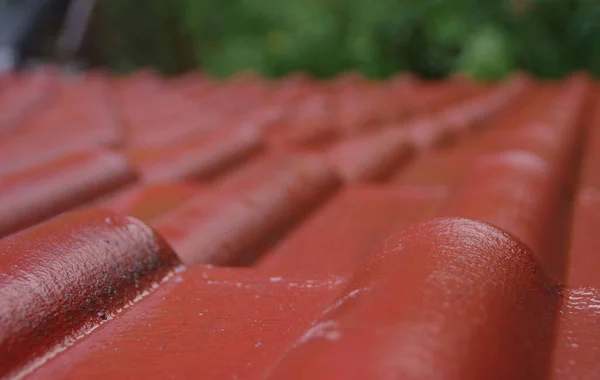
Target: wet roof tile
(415, 311)
(33, 195)
(63, 278)
(398, 228)
(21, 94)
(148, 201)
(336, 237)
(198, 158)
(245, 320)
(239, 219)
(583, 266)
(370, 158)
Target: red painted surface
(49, 145)
(33, 195)
(577, 349)
(75, 116)
(440, 167)
(339, 279)
(306, 122)
(317, 135)
(206, 323)
(519, 192)
(446, 165)
(447, 124)
(201, 158)
(234, 225)
(370, 158)
(63, 278)
(430, 304)
(364, 106)
(22, 94)
(577, 346)
(135, 95)
(585, 240)
(77, 103)
(434, 97)
(525, 192)
(337, 236)
(147, 202)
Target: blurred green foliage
(484, 38)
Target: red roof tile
(74, 104)
(440, 309)
(380, 229)
(340, 233)
(583, 266)
(244, 320)
(242, 217)
(147, 202)
(36, 194)
(198, 158)
(21, 94)
(370, 158)
(63, 278)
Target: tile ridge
(449, 288)
(63, 278)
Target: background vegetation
(485, 38)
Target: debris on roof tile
(298, 228)
(434, 303)
(63, 278)
(244, 320)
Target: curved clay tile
(36, 194)
(481, 198)
(62, 279)
(432, 303)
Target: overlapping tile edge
(509, 292)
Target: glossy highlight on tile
(296, 228)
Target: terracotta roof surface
(248, 228)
